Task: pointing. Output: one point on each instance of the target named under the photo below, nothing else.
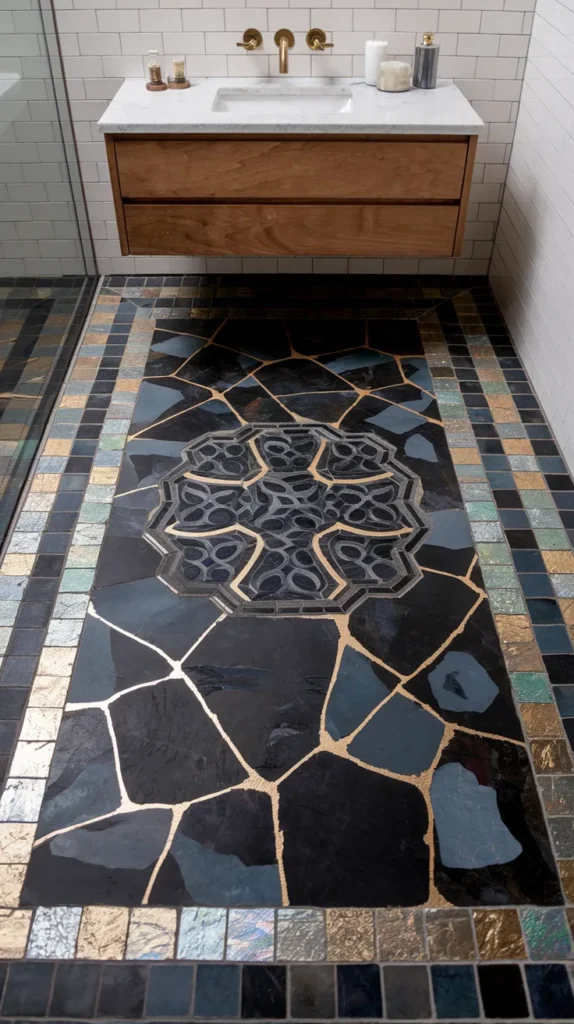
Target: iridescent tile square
(250, 935)
(547, 933)
(202, 933)
(531, 687)
(54, 932)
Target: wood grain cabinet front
(401, 196)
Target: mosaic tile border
(51, 557)
(277, 992)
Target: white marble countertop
(440, 111)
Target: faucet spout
(284, 39)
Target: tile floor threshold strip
(519, 500)
(389, 992)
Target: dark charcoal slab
(218, 368)
(169, 749)
(83, 782)
(211, 415)
(352, 837)
(153, 612)
(261, 339)
(316, 337)
(293, 376)
(266, 680)
(109, 661)
(487, 809)
(223, 853)
(427, 614)
(254, 404)
(327, 407)
(365, 368)
(400, 337)
(473, 690)
(108, 862)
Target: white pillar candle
(395, 76)
(375, 54)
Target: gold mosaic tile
(82, 373)
(513, 628)
(523, 657)
(501, 402)
(567, 609)
(487, 374)
(558, 561)
(104, 475)
(499, 935)
(503, 415)
(57, 446)
(14, 929)
(551, 756)
(465, 456)
(45, 483)
(541, 720)
(103, 933)
(526, 481)
(17, 565)
(49, 692)
(151, 934)
(16, 840)
(517, 446)
(449, 935)
(350, 935)
(566, 869)
(73, 401)
(400, 934)
(11, 880)
(127, 385)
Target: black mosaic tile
(27, 990)
(407, 992)
(312, 992)
(502, 991)
(550, 991)
(359, 991)
(122, 991)
(263, 991)
(454, 989)
(75, 990)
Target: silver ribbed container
(425, 66)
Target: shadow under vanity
(318, 167)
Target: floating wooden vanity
(311, 194)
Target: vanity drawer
(215, 229)
(308, 169)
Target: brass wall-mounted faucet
(252, 39)
(284, 39)
(317, 40)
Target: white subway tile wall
(533, 263)
(483, 47)
(38, 231)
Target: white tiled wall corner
(483, 43)
(533, 262)
(38, 232)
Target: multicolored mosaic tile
(439, 382)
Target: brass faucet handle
(317, 40)
(252, 39)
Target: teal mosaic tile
(552, 540)
(544, 517)
(537, 499)
(531, 687)
(511, 430)
(506, 602)
(77, 581)
(495, 387)
(100, 493)
(499, 577)
(475, 492)
(467, 473)
(94, 512)
(113, 442)
(547, 934)
(481, 511)
(493, 554)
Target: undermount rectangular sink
(286, 99)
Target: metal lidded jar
(425, 66)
